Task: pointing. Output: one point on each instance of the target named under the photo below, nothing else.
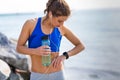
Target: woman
(57, 12)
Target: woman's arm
(74, 40)
(25, 33)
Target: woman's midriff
(39, 68)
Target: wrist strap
(66, 55)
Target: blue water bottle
(46, 59)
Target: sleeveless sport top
(34, 40)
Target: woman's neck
(47, 27)
(47, 22)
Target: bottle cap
(46, 37)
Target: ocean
(98, 30)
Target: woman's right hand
(42, 50)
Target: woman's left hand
(57, 61)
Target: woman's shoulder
(63, 29)
(29, 25)
(31, 21)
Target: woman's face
(58, 21)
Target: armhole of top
(61, 31)
(36, 19)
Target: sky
(18, 6)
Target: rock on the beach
(4, 70)
(8, 54)
(15, 61)
(4, 40)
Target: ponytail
(57, 7)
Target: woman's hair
(58, 8)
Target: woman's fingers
(46, 50)
(57, 61)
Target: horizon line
(35, 12)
